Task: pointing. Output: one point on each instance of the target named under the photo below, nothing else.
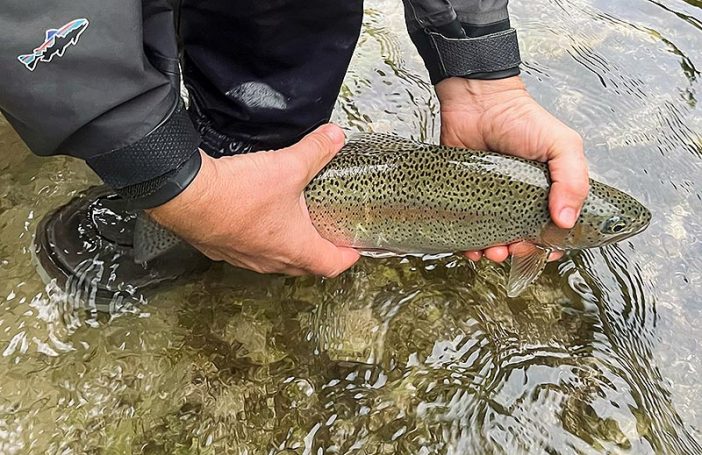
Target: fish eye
(613, 225)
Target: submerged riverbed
(601, 355)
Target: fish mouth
(644, 224)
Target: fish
(56, 41)
(385, 194)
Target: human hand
(249, 210)
(500, 115)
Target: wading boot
(94, 249)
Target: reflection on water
(402, 356)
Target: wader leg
(262, 74)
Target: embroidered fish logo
(55, 43)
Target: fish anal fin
(528, 261)
(378, 253)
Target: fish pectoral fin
(528, 261)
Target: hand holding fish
(249, 210)
(382, 194)
(500, 115)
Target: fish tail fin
(28, 60)
(152, 240)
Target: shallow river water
(602, 355)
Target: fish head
(608, 216)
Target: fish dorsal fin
(151, 240)
(50, 33)
(379, 142)
(528, 261)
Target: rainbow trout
(382, 192)
(385, 193)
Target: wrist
(162, 189)
(479, 93)
(194, 195)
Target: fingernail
(333, 132)
(568, 216)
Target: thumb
(316, 149)
(570, 182)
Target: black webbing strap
(485, 54)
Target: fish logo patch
(56, 41)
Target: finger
(497, 253)
(555, 255)
(256, 264)
(321, 257)
(293, 271)
(473, 255)
(329, 260)
(316, 149)
(570, 182)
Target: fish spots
(432, 198)
(381, 191)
